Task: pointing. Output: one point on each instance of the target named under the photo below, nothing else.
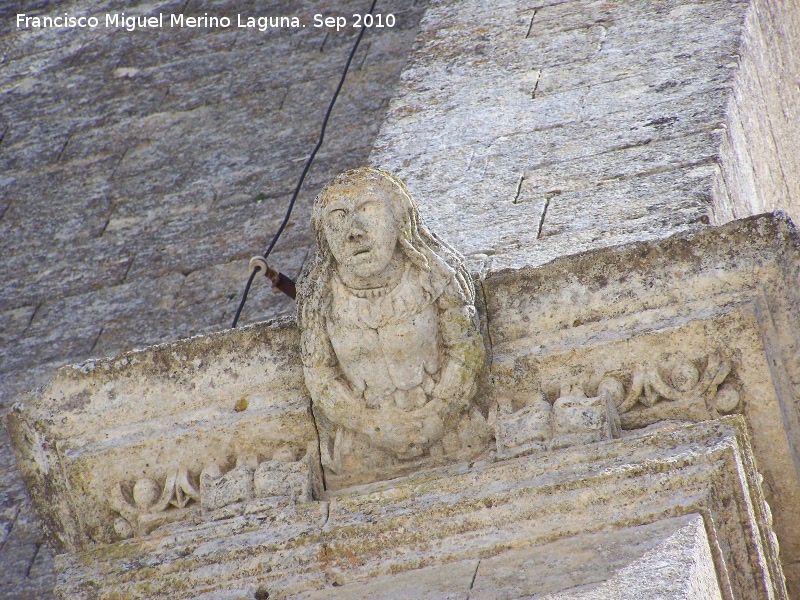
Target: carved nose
(356, 232)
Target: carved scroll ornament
(681, 390)
(149, 505)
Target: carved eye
(336, 216)
(369, 209)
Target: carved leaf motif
(178, 491)
(119, 503)
(185, 490)
(167, 495)
(634, 393)
(649, 387)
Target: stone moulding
(147, 415)
(572, 419)
(607, 345)
(720, 308)
(578, 516)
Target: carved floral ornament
(149, 498)
(682, 390)
(701, 389)
(147, 504)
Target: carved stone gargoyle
(389, 334)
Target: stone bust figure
(389, 333)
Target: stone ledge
(492, 512)
(690, 328)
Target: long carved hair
(423, 248)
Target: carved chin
(364, 265)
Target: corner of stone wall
(760, 151)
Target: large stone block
(581, 522)
(128, 437)
(692, 327)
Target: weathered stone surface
(760, 153)
(573, 418)
(77, 122)
(670, 558)
(132, 157)
(26, 559)
(447, 582)
(136, 417)
(480, 521)
(659, 307)
(535, 131)
(390, 340)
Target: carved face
(361, 232)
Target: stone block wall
(530, 131)
(760, 153)
(139, 171)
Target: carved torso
(389, 335)
(385, 340)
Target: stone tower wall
(760, 154)
(140, 170)
(530, 132)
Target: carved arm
(388, 428)
(463, 350)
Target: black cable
(307, 167)
(244, 296)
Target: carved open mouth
(359, 252)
